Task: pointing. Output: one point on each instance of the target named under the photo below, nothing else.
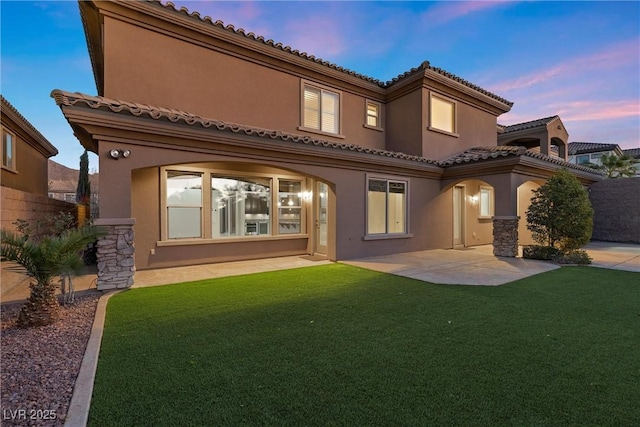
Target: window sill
(373, 128)
(387, 236)
(444, 132)
(4, 168)
(319, 132)
(485, 218)
(222, 240)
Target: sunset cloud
(442, 13)
(608, 58)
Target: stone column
(116, 252)
(505, 236)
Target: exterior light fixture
(116, 154)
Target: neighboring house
(24, 153)
(581, 153)
(24, 170)
(218, 145)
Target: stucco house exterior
(218, 145)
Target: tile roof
(240, 31)
(633, 152)
(494, 152)
(63, 98)
(159, 113)
(527, 125)
(589, 147)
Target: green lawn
(341, 346)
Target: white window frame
(488, 212)
(11, 167)
(166, 205)
(387, 235)
(304, 85)
(377, 116)
(454, 106)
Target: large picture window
(442, 114)
(184, 205)
(202, 203)
(240, 206)
(321, 109)
(386, 207)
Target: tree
(43, 260)
(83, 191)
(560, 215)
(614, 166)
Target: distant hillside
(65, 180)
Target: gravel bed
(40, 365)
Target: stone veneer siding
(505, 236)
(616, 210)
(116, 251)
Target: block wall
(616, 205)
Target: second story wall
(208, 77)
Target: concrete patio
(468, 266)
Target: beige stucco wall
(30, 174)
(213, 84)
(525, 193)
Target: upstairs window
(321, 110)
(442, 114)
(8, 150)
(373, 115)
(581, 160)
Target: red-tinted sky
(580, 60)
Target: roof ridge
(543, 120)
(425, 65)
(158, 113)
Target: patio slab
(470, 266)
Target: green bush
(578, 256)
(560, 214)
(546, 253)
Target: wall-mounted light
(116, 154)
(474, 200)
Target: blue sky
(580, 60)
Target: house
(217, 145)
(25, 152)
(581, 153)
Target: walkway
(469, 266)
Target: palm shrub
(560, 215)
(43, 261)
